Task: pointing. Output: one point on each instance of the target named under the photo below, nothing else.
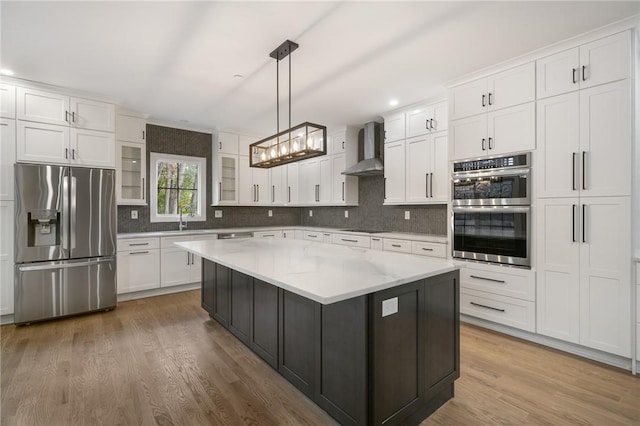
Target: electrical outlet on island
(407, 214)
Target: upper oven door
(494, 188)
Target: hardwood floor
(163, 361)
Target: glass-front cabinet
(131, 173)
(225, 179)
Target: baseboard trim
(592, 354)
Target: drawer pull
(396, 245)
(268, 235)
(427, 249)
(488, 279)
(138, 244)
(485, 306)
(139, 252)
(349, 241)
(312, 236)
(375, 239)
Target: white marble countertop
(324, 273)
(399, 235)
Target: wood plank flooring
(163, 361)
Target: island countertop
(324, 273)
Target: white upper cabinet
(599, 62)
(7, 157)
(131, 129)
(292, 184)
(42, 143)
(7, 101)
(279, 191)
(228, 144)
(427, 173)
(427, 119)
(42, 107)
(394, 127)
(244, 142)
(394, 172)
(253, 184)
(468, 99)
(92, 115)
(92, 148)
(511, 87)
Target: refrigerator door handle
(73, 212)
(63, 265)
(65, 213)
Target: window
(177, 185)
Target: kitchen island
(371, 337)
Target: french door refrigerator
(65, 241)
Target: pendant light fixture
(297, 143)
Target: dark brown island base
(385, 358)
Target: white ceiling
(176, 61)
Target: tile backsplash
(370, 214)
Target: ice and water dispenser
(43, 228)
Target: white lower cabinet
(376, 243)
(584, 273)
(400, 246)
(289, 233)
(268, 234)
(429, 249)
(177, 266)
(312, 236)
(394, 172)
(138, 264)
(499, 294)
(351, 240)
(6, 257)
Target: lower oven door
(500, 234)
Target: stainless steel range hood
(372, 164)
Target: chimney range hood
(371, 165)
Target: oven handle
(491, 209)
(508, 172)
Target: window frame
(154, 158)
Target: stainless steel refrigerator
(65, 241)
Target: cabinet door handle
(584, 76)
(66, 116)
(431, 186)
(349, 241)
(342, 191)
(573, 223)
(384, 197)
(143, 135)
(312, 236)
(584, 223)
(427, 249)
(273, 193)
(66, 153)
(73, 154)
(219, 191)
(289, 194)
(493, 280)
(584, 169)
(138, 244)
(483, 147)
(426, 124)
(483, 100)
(139, 252)
(258, 193)
(432, 126)
(573, 170)
(426, 185)
(490, 99)
(343, 145)
(573, 75)
(188, 258)
(220, 145)
(144, 191)
(490, 147)
(485, 306)
(375, 239)
(73, 116)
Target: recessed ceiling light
(393, 102)
(5, 71)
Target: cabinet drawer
(401, 246)
(267, 234)
(351, 240)
(133, 244)
(167, 242)
(505, 283)
(503, 310)
(429, 249)
(312, 236)
(138, 270)
(376, 243)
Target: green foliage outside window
(177, 187)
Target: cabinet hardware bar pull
(342, 191)
(488, 279)
(490, 139)
(426, 124)
(432, 126)
(143, 135)
(573, 223)
(139, 252)
(431, 185)
(396, 245)
(485, 306)
(483, 103)
(375, 239)
(343, 145)
(73, 154)
(258, 193)
(289, 196)
(144, 191)
(584, 223)
(573, 75)
(573, 170)
(66, 116)
(273, 193)
(584, 77)
(220, 145)
(385, 189)
(138, 244)
(426, 185)
(73, 116)
(349, 241)
(490, 99)
(268, 235)
(483, 147)
(584, 169)
(220, 191)
(312, 236)
(66, 153)
(188, 258)
(427, 249)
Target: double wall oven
(492, 210)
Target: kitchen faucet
(182, 225)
